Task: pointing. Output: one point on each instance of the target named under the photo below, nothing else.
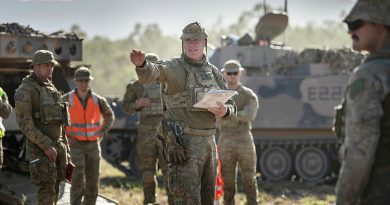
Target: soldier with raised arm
(365, 154)
(188, 131)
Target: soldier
(5, 111)
(146, 99)
(84, 132)
(365, 169)
(41, 116)
(235, 143)
(188, 131)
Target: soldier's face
(364, 37)
(44, 71)
(193, 48)
(83, 85)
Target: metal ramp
(17, 189)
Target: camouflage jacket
(107, 113)
(172, 75)
(135, 91)
(5, 109)
(26, 105)
(366, 91)
(247, 106)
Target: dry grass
(116, 185)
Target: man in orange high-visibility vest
(84, 132)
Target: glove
(176, 153)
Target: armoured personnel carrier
(297, 94)
(17, 45)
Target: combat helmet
(152, 57)
(375, 11)
(194, 31)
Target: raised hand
(137, 57)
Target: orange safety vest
(84, 123)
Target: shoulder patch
(356, 87)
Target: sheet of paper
(213, 96)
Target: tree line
(112, 69)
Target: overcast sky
(116, 18)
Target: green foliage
(110, 62)
(112, 68)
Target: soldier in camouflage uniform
(365, 154)
(41, 116)
(146, 99)
(84, 132)
(235, 143)
(5, 111)
(188, 131)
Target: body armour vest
(153, 92)
(51, 110)
(199, 81)
(382, 159)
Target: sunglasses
(231, 73)
(355, 25)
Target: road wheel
(312, 164)
(276, 164)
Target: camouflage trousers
(237, 148)
(85, 181)
(149, 151)
(193, 183)
(46, 174)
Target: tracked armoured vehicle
(17, 45)
(297, 93)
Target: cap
(232, 66)
(83, 73)
(375, 11)
(194, 31)
(42, 57)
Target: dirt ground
(116, 185)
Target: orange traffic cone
(219, 182)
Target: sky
(116, 19)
